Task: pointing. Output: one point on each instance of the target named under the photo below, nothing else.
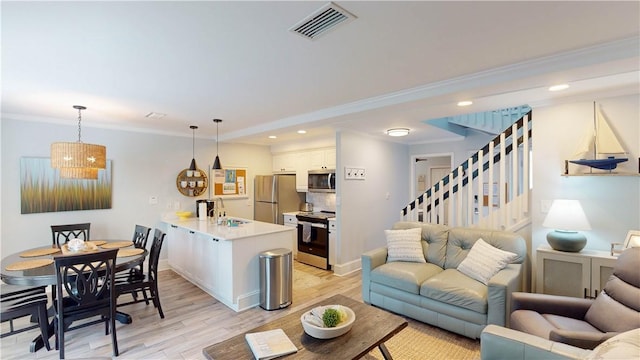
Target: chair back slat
(61, 234)
(140, 236)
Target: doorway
(427, 170)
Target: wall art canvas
(42, 189)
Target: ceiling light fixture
(302, 131)
(78, 160)
(272, 137)
(216, 162)
(465, 103)
(398, 132)
(193, 165)
(559, 87)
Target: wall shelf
(189, 184)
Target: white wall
(611, 203)
(461, 150)
(367, 207)
(144, 165)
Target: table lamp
(567, 218)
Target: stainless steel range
(313, 238)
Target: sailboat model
(598, 142)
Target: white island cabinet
(224, 260)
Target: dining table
(35, 267)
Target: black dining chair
(20, 301)
(85, 289)
(63, 233)
(148, 282)
(140, 237)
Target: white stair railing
(488, 190)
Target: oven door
(313, 238)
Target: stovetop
(320, 215)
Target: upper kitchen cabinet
(322, 159)
(285, 162)
(302, 161)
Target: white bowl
(327, 332)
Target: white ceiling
(396, 65)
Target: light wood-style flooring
(193, 320)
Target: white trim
(347, 268)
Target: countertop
(251, 228)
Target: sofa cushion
(404, 245)
(434, 238)
(484, 261)
(406, 276)
(453, 287)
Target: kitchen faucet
(216, 209)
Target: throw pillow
(483, 261)
(405, 245)
(625, 345)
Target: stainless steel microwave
(322, 181)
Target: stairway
(465, 198)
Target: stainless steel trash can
(276, 279)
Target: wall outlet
(354, 173)
(153, 200)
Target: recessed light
(465, 103)
(398, 132)
(559, 87)
(155, 115)
(272, 137)
(302, 131)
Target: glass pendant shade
(78, 160)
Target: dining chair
(85, 289)
(20, 301)
(148, 282)
(140, 237)
(63, 233)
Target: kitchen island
(224, 260)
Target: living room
(145, 165)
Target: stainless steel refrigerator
(274, 195)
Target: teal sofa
(435, 292)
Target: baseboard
(347, 268)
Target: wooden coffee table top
(372, 327)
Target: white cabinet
(302, 171)
(581, 274)
(180, 244)
(301, 162)
(291, 220)
(322, 159)
(284, 162)
(333, 242)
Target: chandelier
(78, 160)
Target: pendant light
(216, 162)
(193, 149)
(78, 160)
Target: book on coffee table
(270, 344)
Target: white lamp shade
(566, 215)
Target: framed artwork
(43, 190)
(632, 239)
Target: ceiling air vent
(322, 21)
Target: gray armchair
(584, 323)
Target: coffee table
(372, 328)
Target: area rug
(420, 341)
